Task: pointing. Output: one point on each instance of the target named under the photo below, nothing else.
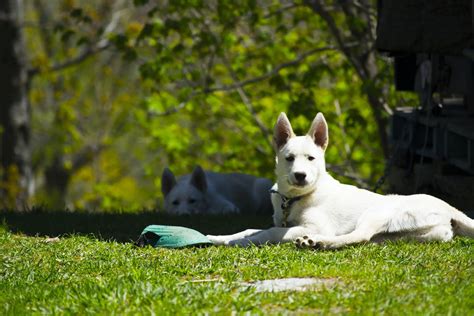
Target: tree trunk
(16, 181)
(57, 176)
(56, 183)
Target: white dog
(314, 210)
(206, 192)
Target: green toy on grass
(171, 237)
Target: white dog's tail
(462, 224)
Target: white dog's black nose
(300, 176)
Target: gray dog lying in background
(206, 192)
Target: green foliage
(199, 52)
(83, 117)
(186, 83)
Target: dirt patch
(290, 284)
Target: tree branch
(102, 44)
(84, 55)
(170, 110)
(85, 156)
(342, 128)
(341, 171)
(245, 99)
(175, 109)
(272, 73)
(371, 15)
(364, 65)
(318, 8)
(237, 85)
(284, 8)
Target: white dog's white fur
(328, 214)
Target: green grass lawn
(91, 271)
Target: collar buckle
(286, 204)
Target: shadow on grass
(122, 227)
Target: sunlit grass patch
(81, 274)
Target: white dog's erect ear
(319, 131)
(168, 181)
(198, 179)
(282, 131)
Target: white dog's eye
(290, 158)
(175, 202)
(191, 201)
(310, 158)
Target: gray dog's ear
(282, 131)
(319, 131)
(198, 179)
(168, 181)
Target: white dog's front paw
(311, 242)
(226, 241)
(218, 240)
(303, 242)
